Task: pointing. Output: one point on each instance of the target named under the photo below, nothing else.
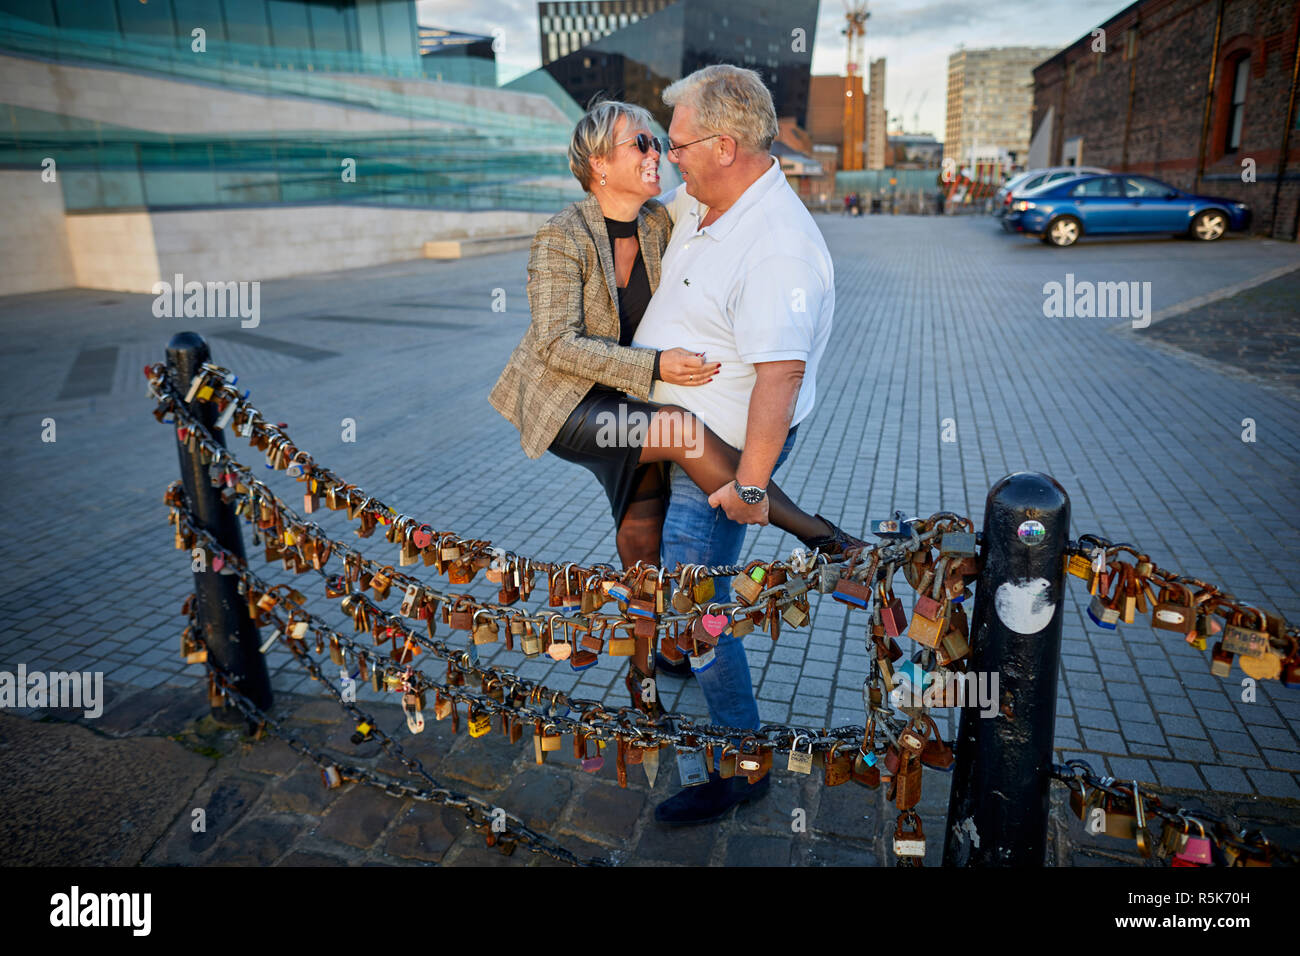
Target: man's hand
(737, 510)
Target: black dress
(600, 433)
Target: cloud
(931, 31)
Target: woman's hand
(680, 367)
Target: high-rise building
(633, 49)
(877, 136)
(566, 27)
(990, 104)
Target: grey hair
(594, 135)
(730, 100)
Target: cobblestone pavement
(937, 318)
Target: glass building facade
(351, 35)
(662, 42)
(448, 151)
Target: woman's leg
(678, 436)
(641, 530)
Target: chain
(499, 826)
(909, 544)
(1240, 847)
(283, 455)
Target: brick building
(1200, 93)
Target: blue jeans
(695, 533)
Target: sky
(915, 36)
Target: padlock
(556, 649)
(851, 592)
(727, 761)
(1194, 850)
(532, 642)
(702, 587)
(413, 708)
(552, 739)
(800, 761)
(929, 621)
(796, 613)
(682, 601)
(1079, 566)
(460, 615)
(592, 761)
(936, 753)
(838, 766)
(669, 649)
(909, 837)
(692, 771)
(957, 544)
(1220, 661)
(1102, 614)
(1175, 610)
(1245, 637)
(748, 584)
(891, 610)
(1121, 817)
(485, 627)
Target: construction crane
(855, 28)
(916, 116)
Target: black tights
(641, 530)
(677, 436)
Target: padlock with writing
(691, 768)
(909, 838)
(800, 761)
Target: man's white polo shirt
(756, 286)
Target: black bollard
(997, 812)
(231, 637)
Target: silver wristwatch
(750, 494)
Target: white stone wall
(130, 252)
(34, 249)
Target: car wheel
(1062, 232)
(1209, 225)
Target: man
(747, 280)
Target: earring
(602, 179)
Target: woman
(591, 272)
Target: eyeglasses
(673, 149)
(644, 142)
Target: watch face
(751, 495)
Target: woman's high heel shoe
(835, 542)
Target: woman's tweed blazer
(572, 341)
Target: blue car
(1063, 211)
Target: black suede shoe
(710, 801)
(835, 542)
(680, 668)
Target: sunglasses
(644, 142)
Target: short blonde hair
(594, 135)
(730, 100)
